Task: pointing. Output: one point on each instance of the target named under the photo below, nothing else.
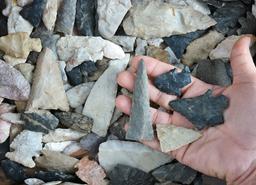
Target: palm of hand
(226, 151)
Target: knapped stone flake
(12, 83)
(13, 61)
(111, 14)
(47, 89)
(140, 124)
(131, 154)
(50, 14)
(126, 42)
(26, 70)
(172, 137)
(4, 130)
(143, 20)
(100, 103)
(57, 146)
(25, 148)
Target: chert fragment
(172, 137)
(62, 66)
(91, 143)
(123, 174)
(33, 12)
(26, 70)
(75, 121)
(23, 2)
(140, 125)
(155, 42)
(50, 14)
(25, 148)
(13, 61)
(52, 160)
(126, 42)
(34, 181)
(100, 103)
(5, 107)
(101, 65)
(39, 121)
(50, 176)
(117, 128)
(172, 81)
(4, 130)
(158, 53)
(75, 150)
(109, 17)
(141, 45)
(19, 44)
(12, 118)
(66, 17)
(47, 89)
(90, 172)
(175, 20)
(12, 83)
(248, 24)
(203, 111)
(131, 154)
(57, 146)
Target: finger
(241, 61)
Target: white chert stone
(47, 89)
(155, 42)
(111, 14)
(4, 130)
(77, 49)
(13, 61)
(16, 23)
(143, 20)
(62, 65)
(12, 118)
(141, 46)
(172, 137)
(60, 135)
(26, 70)
(78, 94)
(126, 42)
(50, 14)
(26, 145)
(57, 146)
(33, 181)
(24, 2)
(100, 103)
(133, 154)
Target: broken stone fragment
(26, 148)
(13, 61)
(19, 44)
(52, 160)
(75, 121)
(34, 181)
(109, 18)
(141, 18)
(49, 176)
(155, 42)
(200, 48)
(57, 146)
(158, 53)
(248, 24)
(176, 172)
(141, 46)
(172, 81)
(12, 118)
(5, 108)
(90, 172)
(140, 124)
(212, 106)
(3, 25)
(66, 17)
(123, 174)
(117, 128)
(101, 100)
(4, 130)
(101, 65)
(126, 42)
(131, 154)
(39, 121)
(172, 137)
(12, 83)
(91, 143)
(62, 66)
(9, 4)
(26, 70)
(47, 89)
(33, 12)
(23, 2)
(75, 150)
(50, 14)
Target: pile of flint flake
(58, 69)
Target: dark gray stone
(172, 81)
(248, 24)
(66, 17)
(91, 143)
(39, 121)
(4, 148)
(212, 181)
(3, 26)
(49, 176)
(101, 65)
(140, 125)
(203, 111)
(85, 17)
(33, 12)
(214, 72)
(176, 172)
(75, 121)
(126, 175)
(117, 128)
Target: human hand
(227, 151)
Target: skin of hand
(227, 151)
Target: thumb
(241, 61)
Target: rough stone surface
(90, 172)
(158, 53)
(75, 121)
(172, 81)
(19, 44)
(13, 61)
(12, 118)
(23, 2)
(39, 121)
(91, 143)
(142, 17)
(200, 48)
(34, 181)
(57, 146)
(49, 176)
(203, 111)
(52, 160)
(141, 45)
(78, 94)
(176, 172)
(62, 66)
(100, 103)
(126, 42)
(155, 42)
(109, 17)
(101, 65)
(172, 137)
(248, 24)
(12, 83)
(85, 17)
(254, 9)
(131, 154)
(33, 12)
(50, 14)
(126, 175)
(4, 130)
(140, 124)
(47, 89)
(3, 25)
(117, 128)
(26, 70)
(25, 148)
